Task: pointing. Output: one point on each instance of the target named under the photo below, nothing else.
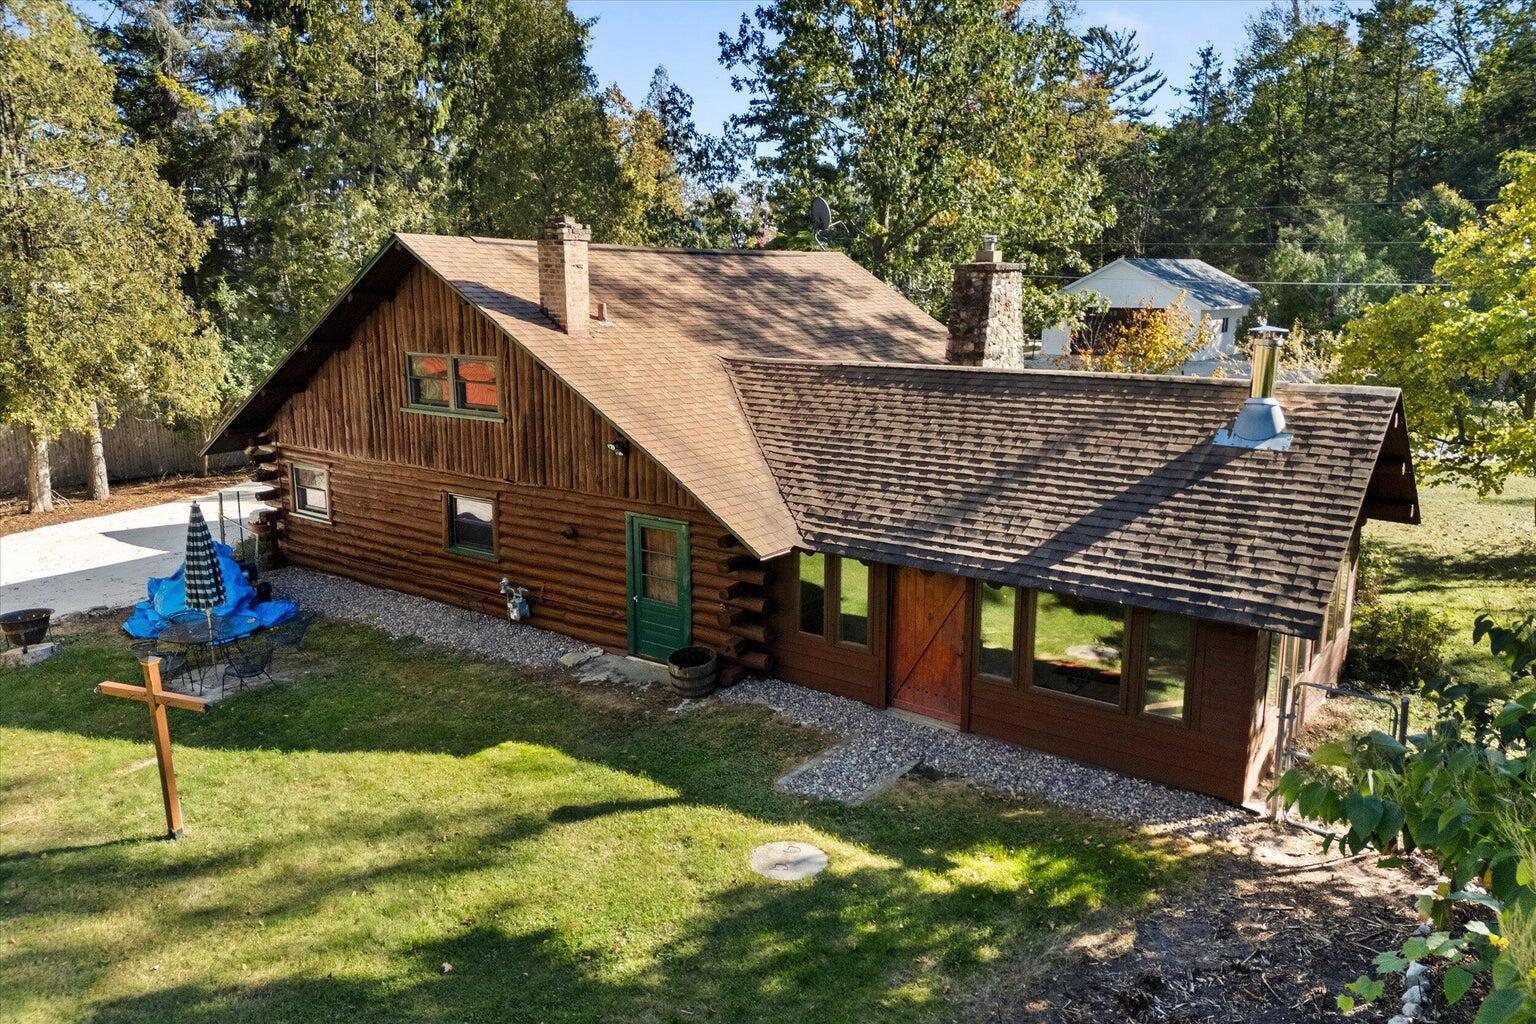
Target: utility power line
(1291, 206)
(1299, 284)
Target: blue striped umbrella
(204, 581)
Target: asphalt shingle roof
(1203, 283)
(1106, 486)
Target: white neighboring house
(1137, 283)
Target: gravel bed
(400, 615)
(875, 740)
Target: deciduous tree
(1465, 354)
(92, 242)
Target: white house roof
(1203, 283)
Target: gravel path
(875, 741)
(877, 747)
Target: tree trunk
(100, 490)
(39, 474)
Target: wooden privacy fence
(135, 448)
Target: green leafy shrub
(1464, 793)
(1396, 646)
(1372, 570)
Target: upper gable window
(451, 385)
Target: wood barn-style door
(929, 636)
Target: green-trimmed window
(997, 618)
(813, 593)
(853, 602)
(1170, 642)
(471, 525)
(428, 380)
(452, 384)
(1079, 647)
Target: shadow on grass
(866, 939)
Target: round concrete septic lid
(788, 861)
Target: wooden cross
(158, 700)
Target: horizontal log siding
(551, 436)
(387, 529)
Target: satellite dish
(821, 214)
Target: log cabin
(773, 454)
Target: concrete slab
(788, 861)
(104, 561)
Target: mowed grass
(1470, 555)
(573, 854)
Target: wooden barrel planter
(26, 626)
(694, 671)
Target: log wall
(561, 495)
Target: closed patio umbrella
(204, 581)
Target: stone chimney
(564, 291)
(986, 326)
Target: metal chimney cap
(1264, 330)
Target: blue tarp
(168, 595)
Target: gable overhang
(1393, 494)
(374, 285)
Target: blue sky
(632, 36)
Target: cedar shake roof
(656, 372)
(1101, 485)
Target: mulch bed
(74, 503)
(1271, 934)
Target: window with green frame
(465, 385)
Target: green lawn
(1469, 555)
(574, 854)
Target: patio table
(204, 638)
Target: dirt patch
(1270, 933)
(73, 503)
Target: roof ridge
(615, 247)
(1033, 371)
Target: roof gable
(1202, 282)
(655, 371)
(1101, 485)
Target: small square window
(471, 526)
(474, 384)
(312, 492)
(428, 381)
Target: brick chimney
(564, 291)
(986, 326)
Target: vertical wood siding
(551, 437)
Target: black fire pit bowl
(26, 626)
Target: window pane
(853, 602)
(1276, 668)
(658, 564)
(997, 619)
(476, 383)
(1078, 646)
(813, 593)
(311, 490)
(428, 380)
(1169, 639)
(469, 524)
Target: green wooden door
(660, 620)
